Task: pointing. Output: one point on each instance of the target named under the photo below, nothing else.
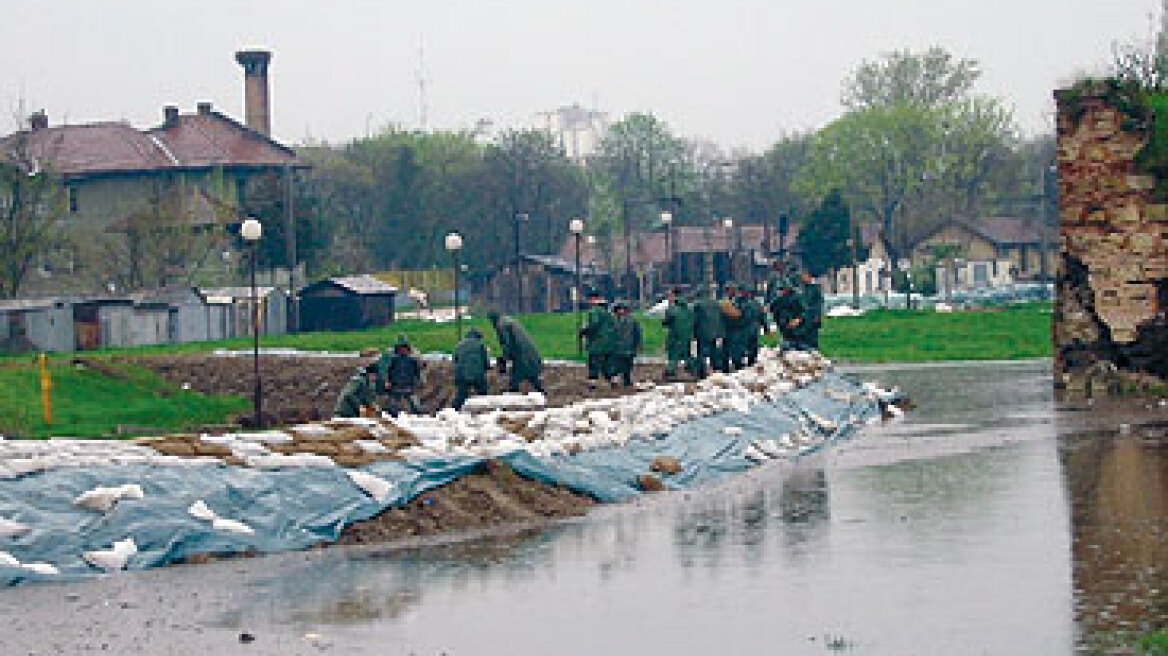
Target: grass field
(94, 404)
(89, 403)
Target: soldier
(775, 280)
(709, 331)
(679, 327)
(519, 350)
(755, 318)
(811, 298)
(600, 331)
(470, 367)
(787, 312)
(398, 377)
(737, 327)
(358, 397)
(628, 343)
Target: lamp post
(519, 217)
(667, 221)
(453, 243)
(251, 230)
(576, 227)
(906, 266)
(853, 246)
(728, 225)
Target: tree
(823, 237)
(32, 202)
(902, 77)
(639, 161)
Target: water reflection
(1118, 487)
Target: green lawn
(91, 404)
(87, 403)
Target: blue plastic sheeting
(297, 508)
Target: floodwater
(987, 522)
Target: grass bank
(117, 400)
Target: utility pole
(518, 218)
(290, 245)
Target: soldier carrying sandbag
(399, 376)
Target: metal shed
(36, 325)
(228, 311)
(346, 303)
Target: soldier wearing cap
(755, 319)
(787, 312)
(358, 397)
(811, 298)
(628, 343)
(709, 332)
(471, 362)
(399, 376)
(679, 329)
(737, 326)
(600, 332)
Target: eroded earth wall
(1109, 325)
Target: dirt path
(305, 389)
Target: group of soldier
(703, 334)
(391, 382)
(709, 334)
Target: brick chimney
(169, 116)
(204, 108)
(38, 121)
(257, 110)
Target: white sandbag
(371, 446)
(732, 431)
(376, 487)
(231, 526)
(200, 510)
(754, 454)
(102, 499)
(114, 558)
(41, 568)
(10, 528)
(6, 560)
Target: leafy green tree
(32, 202)
(902, 77)
(823, 238)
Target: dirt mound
(494, 497)
(301, 389)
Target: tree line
(916, 145)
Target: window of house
(72, 193)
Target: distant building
(346, 303)
(577, 129)
(190, 172)
(549, 284)
(989, 245)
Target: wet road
(987, 522)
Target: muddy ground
(300, 389)
(497, 496)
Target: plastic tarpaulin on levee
(293, 509)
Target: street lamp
(667, 221)
(728, 225)
(251, 230)
(453, 244)
(576, 227)
(906, 266)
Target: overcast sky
(739, 72)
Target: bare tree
(32, 201)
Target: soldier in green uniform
(755, 318)
(398, 377)
(519, 350)
(811, 298)
(470, 367)
(600, 331)
(737, 328)
(358, 393)
(679, 328)
(709, 331)
(787, 311)
(628, 343)
(775, 280)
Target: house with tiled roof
(191, 172)
(1023, 246)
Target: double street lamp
(576, 227)
(453, 243)
(251, 230)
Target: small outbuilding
(36, 325)
(346, 303)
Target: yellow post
(46, 388)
